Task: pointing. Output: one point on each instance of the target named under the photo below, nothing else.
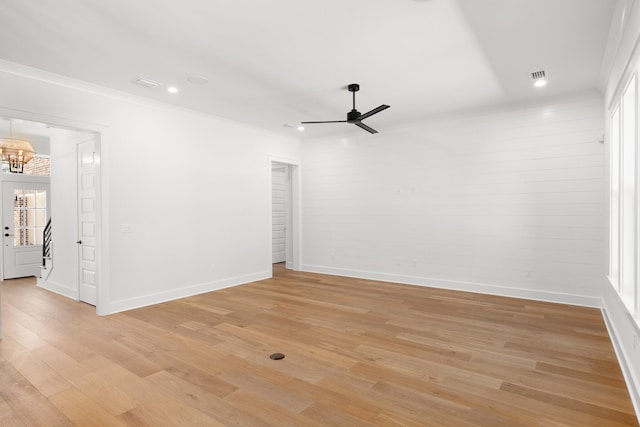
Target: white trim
(481, 288)
(187, 291)
(102, 218)
(628, 371)
(629, 64)
(58, 288)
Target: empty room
(337, 213)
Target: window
(624, 208)
(29, 216)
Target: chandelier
(15, 152)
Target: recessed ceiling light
(540, 83)
(172, 89)
(300, 128)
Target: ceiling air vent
(539, 78)
(145, 82)
(538, 75)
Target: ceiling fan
(354, 115)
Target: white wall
(194, 189)
(507, 202)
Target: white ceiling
(284, 61)
(37, 134)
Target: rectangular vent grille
(538, 75)
(145, 82)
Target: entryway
(284, 187)
(25, 208)
(70, 199)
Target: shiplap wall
(278, 215)
(508, 202)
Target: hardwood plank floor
(358, 353)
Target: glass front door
(25, 208)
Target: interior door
(25, 213)
(87, 228)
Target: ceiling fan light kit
(354, 116)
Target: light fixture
(15, 152)
(172, 89)
(539, 78)
(300, 128)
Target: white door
(25, 213)
(87, 227)
(278, 212)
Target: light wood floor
(357, 353)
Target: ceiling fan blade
(374, 111)
(365, 127)
(328, 121)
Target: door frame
(102, 134)
(292, 240)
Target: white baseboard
(629, 363)
(58, 288)
(131, 303)
(481, 288)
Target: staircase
(47, 252)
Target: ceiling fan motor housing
(352, 116)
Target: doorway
(73, 266)
(284, 187)
(279, 211)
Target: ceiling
(37, 134)
(286, 61)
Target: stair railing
(46, 243)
